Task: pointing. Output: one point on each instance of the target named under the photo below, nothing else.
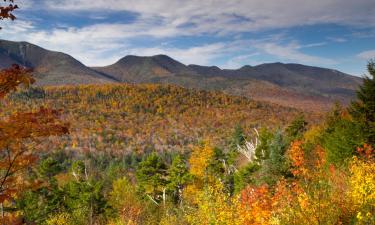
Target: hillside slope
(303, 87)
(51, 68)
(123, 117)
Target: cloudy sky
(337, 34)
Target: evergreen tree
(245, 176)
(262, 152)
(363, 110)
(178, 177)
(151, 176)
(49, 167)
(84, 199)
(238, 138)
(221, 167)
(276, 165)
(296, 129)
(37, 205)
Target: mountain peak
(246, 67)
(50, 68)
(54, 68)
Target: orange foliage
(366, 151)
(255, 205)
(11, 78)
(123, 118)
(6, 12)
(297, 156)
(19, 132)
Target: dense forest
(142, 118)
(150, 154)
(121, 154)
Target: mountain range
(300, 86)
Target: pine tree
(296, 129)
(151, 176)
(363, 110)
(178, 177)
(276, 165)
(238, 138)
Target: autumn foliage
(134, 154)
(6, 12)
(20, 132)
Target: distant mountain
(51, 68)
(287, 84)
(145, 69)
(304, 87)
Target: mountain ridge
(291, 84)
(50, 67)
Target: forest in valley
(156, 154)
(124, 154)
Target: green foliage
(363, 109)
(275, 166)
(39, 205)
(296, 128)
(341, 139)
(49, 167)
(263, 149)
(124, 201)
(245, 176)
(79, 170)
(85, 198)
(221, 167)
(178, 177)
(237, 138)
(152, 176)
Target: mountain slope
(300, 86)
(126, 118)
(51, 68)
(138, 69)
(304, 87)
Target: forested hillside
(124, 118)
(148, 154)
(151, 154)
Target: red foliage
(6, 12)
(11, 78)
(366, 151)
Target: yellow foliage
(120, 118)
(123, 198)
(199, 161)
(214, 206)
(200, 158)
(60, 219)
(313, 134)
(362, 181)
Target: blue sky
(338, 34)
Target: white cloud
(202, 55)
(291, 52)
(241, 60)
(367, 55)
(224, 17)
(103, 43)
